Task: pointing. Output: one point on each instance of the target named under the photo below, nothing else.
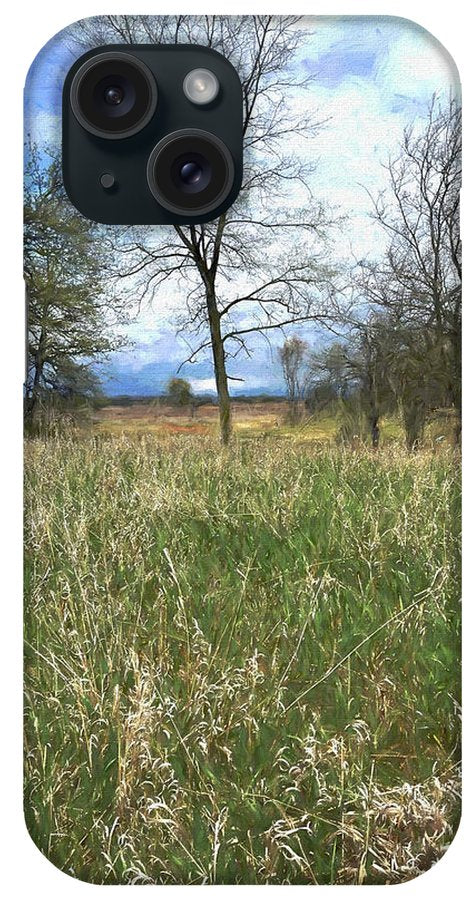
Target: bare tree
(356, 368)
(261, 265)
(419, 279)
(293, 355)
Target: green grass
(214, 691)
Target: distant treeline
(198, 399)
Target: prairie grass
(241, 666)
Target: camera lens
(113, 95)
(190, 172)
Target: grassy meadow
(242, 666)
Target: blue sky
(370, 77)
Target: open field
(251, 418)
(242, 665)
(158, 418)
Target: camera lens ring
(140, 85)
(165, 149)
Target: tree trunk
(457, 431)
(374, 431)
(221, 378)
(455, 385)
(414, 415)
(373, 416)
(31, 400)
(294, 410)
(33, 389)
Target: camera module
(113, 95)
(152, 134)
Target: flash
(200, 86)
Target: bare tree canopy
(356, 368)
(293, 356)
(419, 279)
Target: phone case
(242, 467)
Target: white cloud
(203, 385)
(367, 113)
